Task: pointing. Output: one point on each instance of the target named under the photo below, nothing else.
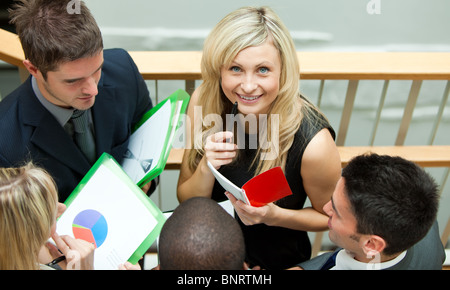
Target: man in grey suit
(382, 215)
(70, 73)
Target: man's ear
(30, 67)
(373, 246)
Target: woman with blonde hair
(28, 211)
(249, 59)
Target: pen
(56, 261)
(234, 109)
(233, 112)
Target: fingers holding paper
(218, 150)
(251, 215)
(79, 253)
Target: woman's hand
(79, 253)
(218, 151)
(128, 266)
(251, 215)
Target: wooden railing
(322, 66)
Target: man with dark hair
(79, 101)
(382, 215)
(201, 235)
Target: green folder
(109, 210)
(151, 140)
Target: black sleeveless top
(274, 247)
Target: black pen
(56, 261)
(233, 112)
(234, 109)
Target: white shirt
(346, 261)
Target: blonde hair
(28, 206)
(243, 28)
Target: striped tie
(83, 135)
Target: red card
(267, 187)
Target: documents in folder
(110, 211)
(151, 140)
(262, 189)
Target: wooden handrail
(10, 48)
(424, 156)
(168, 65)
(375, 65)
(185, 65)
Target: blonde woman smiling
(249, 58)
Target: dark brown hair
(391, 197)
(52, 32)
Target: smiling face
(73, 84)
(252, 79)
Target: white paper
(124, 212)
(228, 185)
(227, 206)
(147, 144)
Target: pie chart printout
(91, 226)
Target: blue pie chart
(91, 226)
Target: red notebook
(262, 189)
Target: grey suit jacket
(428, 254)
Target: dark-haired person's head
(201, 235)
(55, 32)
(382, 205)
(63, 49)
